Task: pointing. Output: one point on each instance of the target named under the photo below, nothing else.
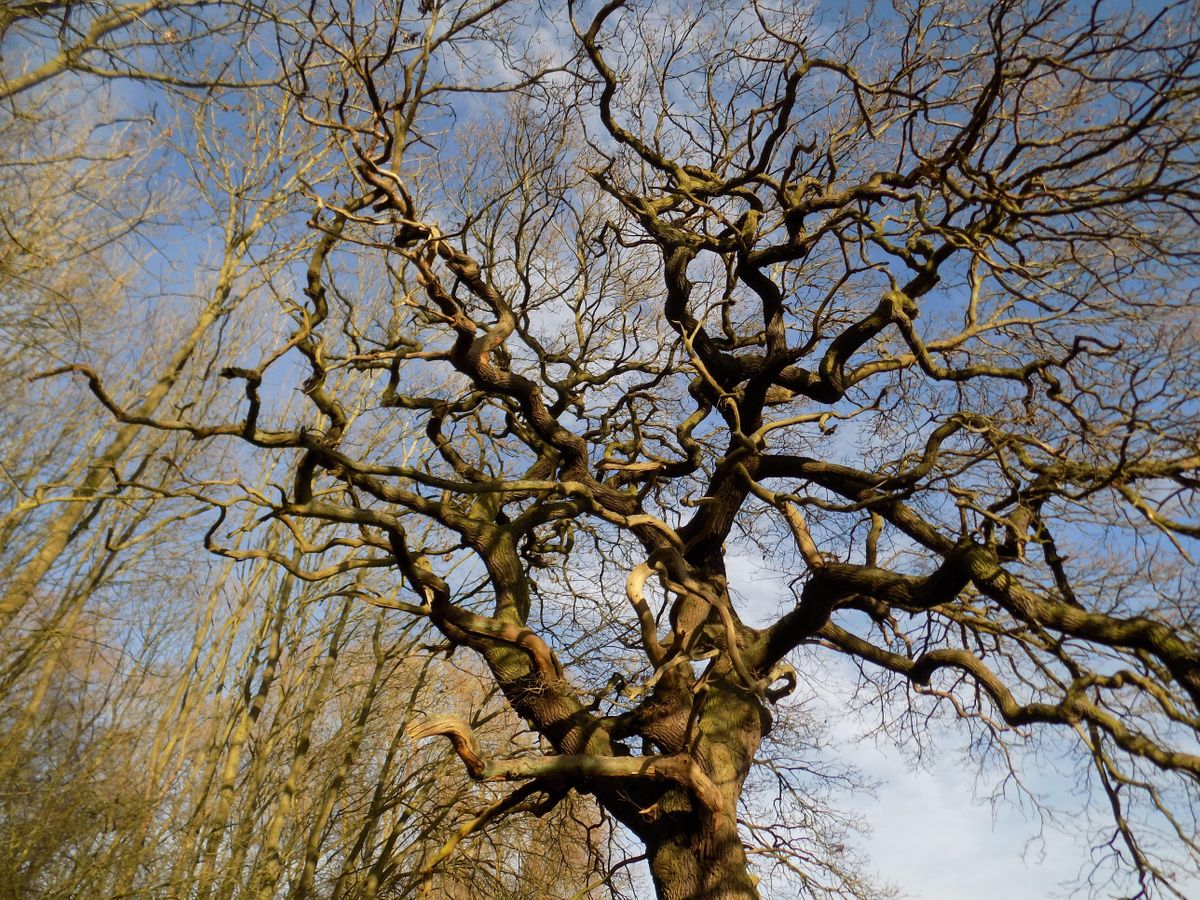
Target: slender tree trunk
(247, 719)
(271, 858)
(57, 533)
(354, 739)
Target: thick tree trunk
(696, 853)
(699, 860)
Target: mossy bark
(696, 853)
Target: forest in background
(174, 723)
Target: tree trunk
(696, 853)
(697, 857)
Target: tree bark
(697, 853)
(694, 859)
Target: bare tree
(169, 43)
(906, 301)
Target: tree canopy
(549, 321)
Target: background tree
(175, 723)
(170, 43)
(906, 301)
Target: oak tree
(903, 299)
